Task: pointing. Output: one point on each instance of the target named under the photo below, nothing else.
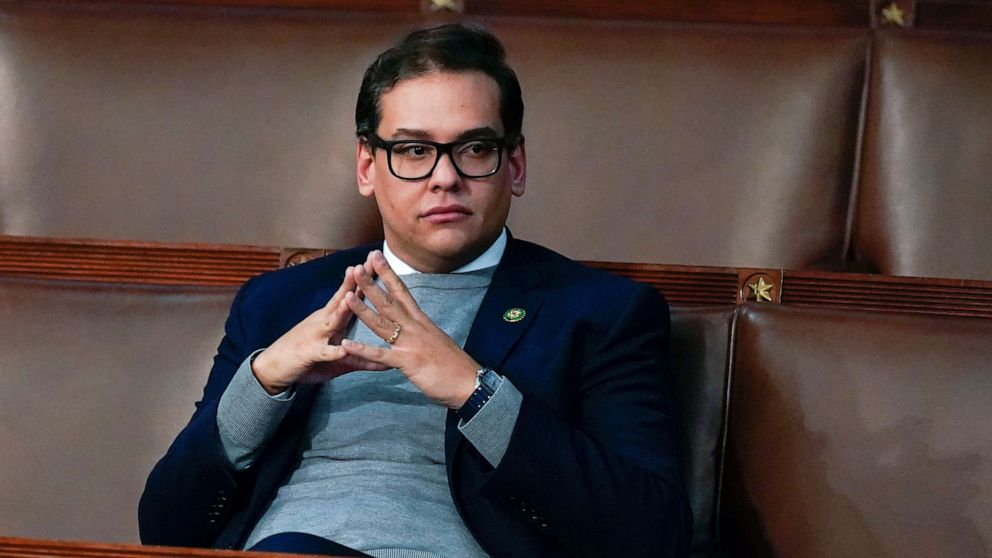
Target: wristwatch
(486, 382)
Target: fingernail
(347, 343)
(361, 270)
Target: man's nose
(445, 175)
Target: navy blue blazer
(592, 465)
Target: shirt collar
(489, 258)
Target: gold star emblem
(760, 290)
(514, 315)
(438, 5)
(894, 14)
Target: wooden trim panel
(110, 261)
(974, 15)
(779, 12)
(152, 263)
(680, 284)
(918, 295)
(941, 14)
(409, 7)
(789, 12)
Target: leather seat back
(707, 145)
(924, 204)
(95, 382)
(700, 340)
(858, 434)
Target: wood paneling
(811, 12)
(205, 264)
(931, 14)
(377, 6)
(133, 262)
(681, 284)
(948, 297)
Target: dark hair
(449, 48)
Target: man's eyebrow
(482, 132)
(406, 133)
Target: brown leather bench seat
(700, 340)
(95, 382)
(784, 147)
(859, 434)
(98, 378)
(781, 146)
(692, 144)
(847, 429)
(925, 197)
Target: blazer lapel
(509, 307)
(500, 324)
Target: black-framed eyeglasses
(417, 159)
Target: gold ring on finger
(397, 328)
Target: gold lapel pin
(514, 315)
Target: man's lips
(446, 214)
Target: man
(454, 392)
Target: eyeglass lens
(474, 159)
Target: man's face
(444, 221)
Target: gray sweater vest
(372, 475)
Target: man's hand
(421, 350)
(311, 353)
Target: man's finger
(347, 285)
(384, 302)
(394, 284)
(335, 319)
(343, 359)
(358, 363)
(379, 355)
(375, 321)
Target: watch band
(486, 383)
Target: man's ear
(517, 165)
(365, 168)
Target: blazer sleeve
(191, 491)
(606, 480)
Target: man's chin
(454, 251)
